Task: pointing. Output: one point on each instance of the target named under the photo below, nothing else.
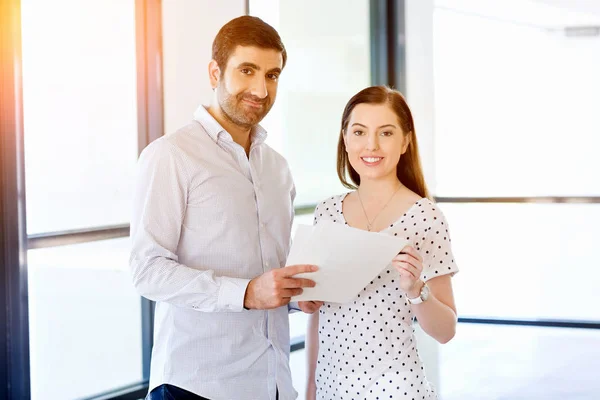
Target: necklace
(370, 223)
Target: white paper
(348, 259)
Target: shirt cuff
(293, 307)
(231, 294)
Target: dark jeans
(170, 392)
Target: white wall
(189, 27)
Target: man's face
(247, 87)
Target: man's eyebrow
(249, 65)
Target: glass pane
(84, 320)
(526, 260)
(329, 61)
(516, 100)
(80, 112)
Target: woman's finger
(407, 272)
(410, 261)
(413, 252)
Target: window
(329, 61)
(80, 112)
(81, 144)
(515, 102)
(84, 320)
(516, 94)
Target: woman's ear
(214, 73)
(345, 141)
(407, 139)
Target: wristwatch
(423, 296)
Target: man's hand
(275, 288)
(310, 307)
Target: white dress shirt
(207, 219)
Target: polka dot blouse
(367, 347)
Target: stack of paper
(348, 259)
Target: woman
(366, 348)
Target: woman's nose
(373, 143)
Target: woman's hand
(409, 264)
(311, 391)
(310, 307)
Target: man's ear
(214, 73)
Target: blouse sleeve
(437, 254)
(317, 213)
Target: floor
(493, 362)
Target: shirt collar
(217, 132)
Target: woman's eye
(387, 133)
(358, 133)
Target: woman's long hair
(408, 170)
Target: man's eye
(273, 77)
(246, 71)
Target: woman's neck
(379, 190)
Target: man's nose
(259, 87)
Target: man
(211, 232)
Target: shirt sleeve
(293, 307)
(438, 259)
(160, 200)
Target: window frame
(15, 380)
(14, 314)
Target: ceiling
(551, 14)
(582, 6)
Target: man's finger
(289, 283)
(297, 269)
(291, 292)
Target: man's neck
(241, 136)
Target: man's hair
(245, 31)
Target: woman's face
(374, 141)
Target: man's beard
(238, 113)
